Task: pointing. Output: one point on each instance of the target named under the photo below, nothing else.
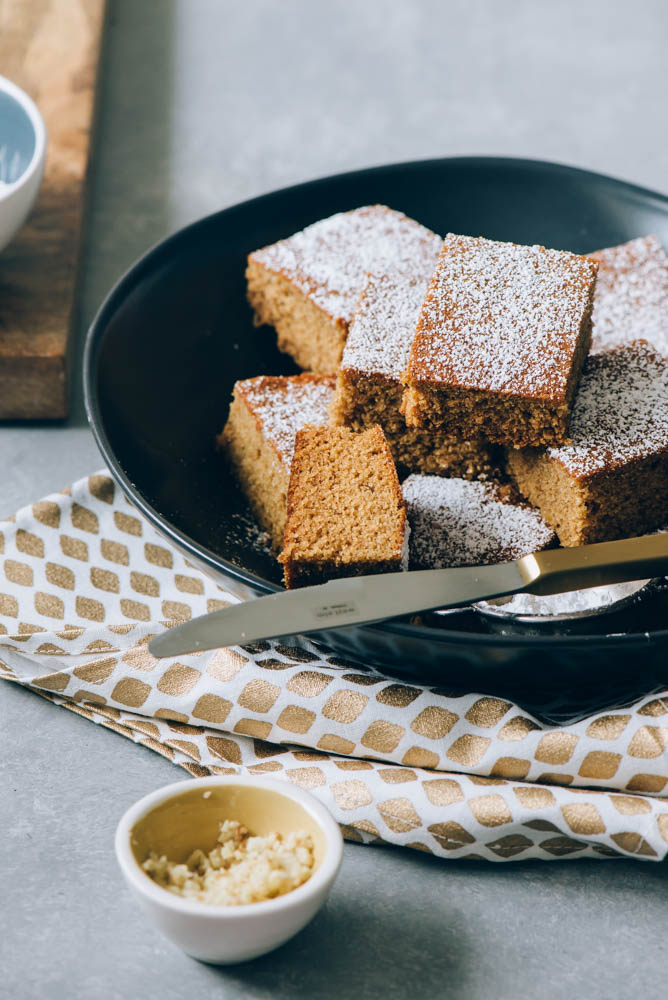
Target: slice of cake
(259, 437)
(500, 344)
(631, 296)
(307, 286)
(369, 388)
(455, 522)
(346, 516)
(611, 481)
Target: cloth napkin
(85, 582)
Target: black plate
(176, 333)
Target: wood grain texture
(50, 48)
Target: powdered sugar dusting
(455, 522)
(502, 317)
(631, 295)
(620, 412)
(329, 261)
(286, 404)
(575, 602)
(383, 326)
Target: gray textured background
(204, 103)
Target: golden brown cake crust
(346, 514)
(501, 340)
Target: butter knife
(362, 600)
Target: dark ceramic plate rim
(153, 258)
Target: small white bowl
(22, 157)
(183, 816)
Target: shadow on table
(360, 947)
(370, 947)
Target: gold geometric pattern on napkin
(84, 583)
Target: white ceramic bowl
(22, 157)
(180, 817)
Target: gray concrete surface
(204, 103)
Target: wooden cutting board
(51, 48)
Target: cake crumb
(346, 515)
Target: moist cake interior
(346, 515)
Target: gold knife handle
(557, 570)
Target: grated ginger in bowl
(240, 869)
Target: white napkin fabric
(85, 581)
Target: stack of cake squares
(487, 399)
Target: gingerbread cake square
(346, 515)
(500, 344)
(455, 522)
(631, 296)
(611, 480)
(307, 286)
(369, 389)
(259, 437)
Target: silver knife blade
(349, 601)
